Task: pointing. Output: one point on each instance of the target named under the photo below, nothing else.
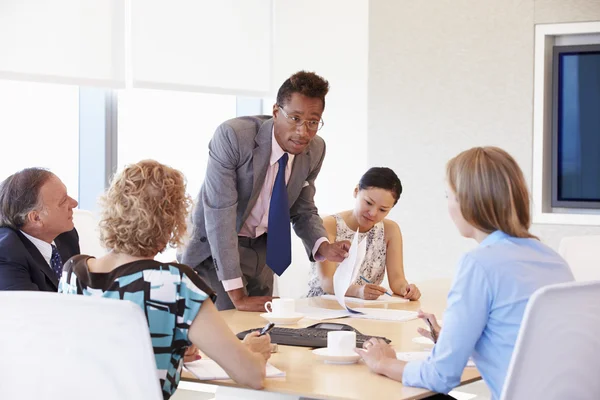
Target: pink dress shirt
(257, 222)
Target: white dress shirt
(258, 220)
(45, 248)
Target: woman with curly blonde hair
(143, 211)
(488, 201)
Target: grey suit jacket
(239, 154)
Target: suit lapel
(300, 171)
(260, 162)
(39, 259)
(62, 247)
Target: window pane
(40, 128)
(173, 128)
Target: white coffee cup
(341, 343)
(280, 307)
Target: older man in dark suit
(36, 230)
(260, 177)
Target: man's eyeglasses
(311, 125)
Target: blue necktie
(279, 240)
(56, 262)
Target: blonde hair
(144, 209)
(491, 191)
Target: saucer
(282, 319)
(322, 354)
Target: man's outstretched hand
(336, 252)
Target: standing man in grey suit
(261, 175)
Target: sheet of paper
(206, 370)
(421, 355)
(383, 299)
(347, 270)
(385, 314)
(321, 314)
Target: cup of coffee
(341, 343)
(280, 307)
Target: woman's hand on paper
(370, 291)
(434, 324)
(376, 353)
(410, 292)
(259, 344)
(191, 354)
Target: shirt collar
(276, 150)
(44, 248)
(493, 238)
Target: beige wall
(331, 38)
(444, 76)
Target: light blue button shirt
(485, 307)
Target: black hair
(382, 178)
(306, 83)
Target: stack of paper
(321, 314)
(385, 314)
(383, 299)
(382, 314)
(208, 370)
(345, 274)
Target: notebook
(208, 370)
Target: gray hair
(20, 195)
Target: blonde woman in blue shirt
(488, 201)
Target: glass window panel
(40, 128)
(173, 128)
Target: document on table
(385, 314)
(347, 270)
(382, 314)
(383, 299)
(321, 314)
(420, 356)
(208, 370)
(345, 274)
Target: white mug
(280, 306)
(341, 343)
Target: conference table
(308, 377)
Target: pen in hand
(368, 281)
(266, 329)
(433, 334)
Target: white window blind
(63, 41)
(215, 46)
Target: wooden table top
(309, 377)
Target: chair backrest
(557, 354)
(65, 347)
(582, 253)
(89, 236)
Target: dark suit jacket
(22, 266)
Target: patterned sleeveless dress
(170, 295)
(373, 266)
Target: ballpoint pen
(266, 329)
(433, 334)
(368, 281)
